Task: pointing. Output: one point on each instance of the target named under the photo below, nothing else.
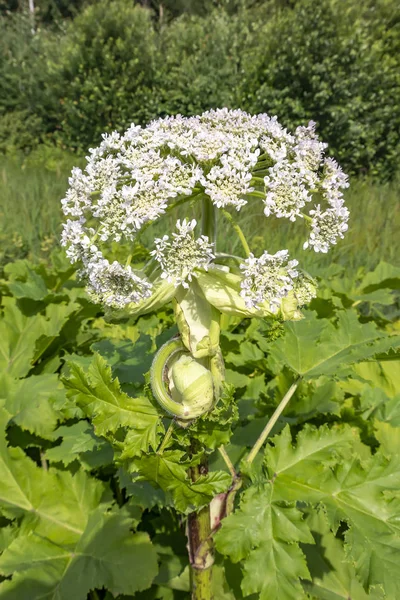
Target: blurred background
(73, 69)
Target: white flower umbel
(304, 289)
(227, 156)
(327, 226)
(182, 254)
(226, 185)
(115, 285)
(286, 191)
(268, 278)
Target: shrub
(27, 111)
(104, 76)
(323, 61)
(201, 57)
(115, 63)
(19, 129)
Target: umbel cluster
(228, 156)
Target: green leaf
(363, 493)
(18, 336)
(24, 339)
(333, 578)
(79, 442)
(316, 451)
(384, 276)
(238, 380)
(265, 535)
(101, 399)
(129, 361)
(250, 355)
(388, 438)
(169, 472)
(384, 375)
(57, 315)
(55, 504)
(374, 403)
(107, 554)
(141, 493)
(311, 399)
(31, 403)
(33, 287)
(315, 347)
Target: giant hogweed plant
(262, 510)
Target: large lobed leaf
(333, 577)
(266, 535)
(80, 443)
(24, 339)
(55, 504)
(315, 347)
(107, 554)
(69, 540)
(32, 402)
(332, 468)
(101, 399)
(356, 488)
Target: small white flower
(268, 278)
(308, 149)
(180, 256)
(227, 184)
(286, 191)
(326, 227)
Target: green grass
(30, 193)
(30, 218)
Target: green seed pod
(194, 384)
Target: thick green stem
(201, 553)
(209, 220)
(267, 429)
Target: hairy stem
(200, 545)
(267, 429)
(239, 232)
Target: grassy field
(30, 218)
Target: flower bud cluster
(228, 156)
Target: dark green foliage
(104, 75)
(26, 102)
(201, 63)
(327, 62)
(116, 62)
